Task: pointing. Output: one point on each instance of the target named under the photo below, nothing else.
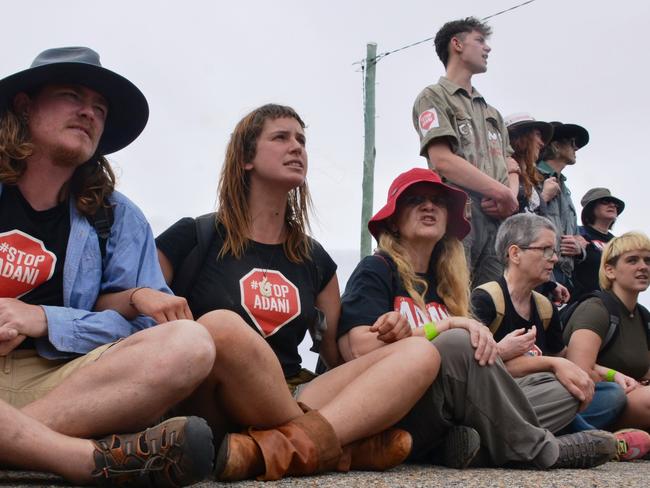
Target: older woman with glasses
(527, 325)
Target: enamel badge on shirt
(428, 120)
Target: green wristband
(609, 376)
(430, 331)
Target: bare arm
(572, 377)
(583, 350)
(329, 302)
(166, 266)
(162, 307)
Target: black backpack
(186, 274)
(611, 305)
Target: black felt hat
(568, 131)
(128, 110)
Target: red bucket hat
(457, 225)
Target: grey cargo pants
(505, 412)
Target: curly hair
(91, 183)
(453, 29)
(526, 154)
(449, 264)
(234, 188)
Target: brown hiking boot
(176, 452)
(585, 449)
(378, 452)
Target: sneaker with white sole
(632, 444)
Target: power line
(380, 56)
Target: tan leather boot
(378, 452)
(304, 446)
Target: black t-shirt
(375, 288)
(32, 251)
(273, 295)
(585, 274)
(548, 341)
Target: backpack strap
(186, 274)
(544, 308)
(102, 221)
(645, 316)
(493, 289)
(614, 317)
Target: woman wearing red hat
(261, 264)
(417, 284)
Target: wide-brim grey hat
(591, 198)
(567, 131)
(128, 110)
(520, 122)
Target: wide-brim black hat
(128, 110)
(568, 131)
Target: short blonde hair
(630, 241)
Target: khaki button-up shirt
(474, 129)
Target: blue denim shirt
(131, 261)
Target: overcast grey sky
(204, 64)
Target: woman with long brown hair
(527, 138)
(261, 264)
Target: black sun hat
(128, 110)
(567, 131)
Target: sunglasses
(415, 200)
(547, 252)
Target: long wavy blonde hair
(233, 212)
(91, 183)
(449, 265)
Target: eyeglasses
(415, 200)
(547, 252)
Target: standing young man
(465, 140)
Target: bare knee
(423, 358)
(182, 354)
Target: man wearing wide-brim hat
(66, 237)
(557, 155)
(600, 209)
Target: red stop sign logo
(270, 300)
(25, 263)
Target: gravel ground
(624, 475)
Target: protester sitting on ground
(527, 325)
(608, 336)
(561, 152)
(527, 138)
(260, 263)
(66, 236)
(416, 284)
(599, 212)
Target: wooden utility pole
(369, 147)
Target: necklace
(265, 284)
